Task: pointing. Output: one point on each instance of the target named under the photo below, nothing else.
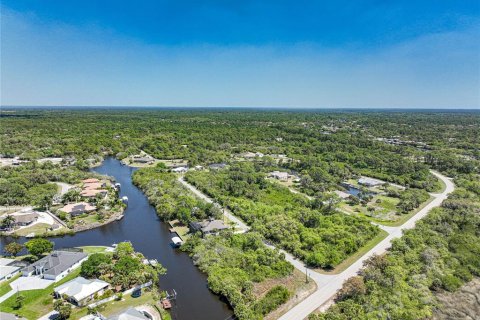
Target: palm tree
(8, 222)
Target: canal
(151, 237)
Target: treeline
(170, 198)
(234, 263)
(32, 183)
(329, 146)
(310, 229)
(440, 254)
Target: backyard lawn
(114, 307)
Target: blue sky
(411, 54)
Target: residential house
(91, 193)
(130, 314)
(370, 182)
(180, 169)
(279, 175)
(75, 209)
(56, 265)
(8, 268)
(144, 160)
(81, 291)
(207, 227)
(23, 218)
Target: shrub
(274, 298)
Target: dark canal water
(151, 237)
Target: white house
(180, 169)
(279, 175)
(80, 291)
(8, 268)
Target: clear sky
(264, 53)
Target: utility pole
(306, 274)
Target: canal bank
(151, 237)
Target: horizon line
(476, 108)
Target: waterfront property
(370, 182)
(22, 218)
(81, 291)
(56, 265)
(208, 227)
(75, 209)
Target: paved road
(328, 285)
(240, 225)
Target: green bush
(274, 298)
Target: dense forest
(33, 183)
(324, 148)
(310, 229)
(440, 254)
(233, 262)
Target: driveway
(30, 283)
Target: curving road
(328, 285)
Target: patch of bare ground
(295, 283)
(464, 304)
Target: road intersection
(328, 285)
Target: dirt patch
(463, 304)
(295, 283)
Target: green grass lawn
(385, 210)
(5, 285)
(37, 302)
(442, 186)
(93, 249)
(357, 255)
(386, 207)
(404, 217)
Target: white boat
(114, 245)
(30, 235)
(153, 262)
(125, 199)
(177, 242)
